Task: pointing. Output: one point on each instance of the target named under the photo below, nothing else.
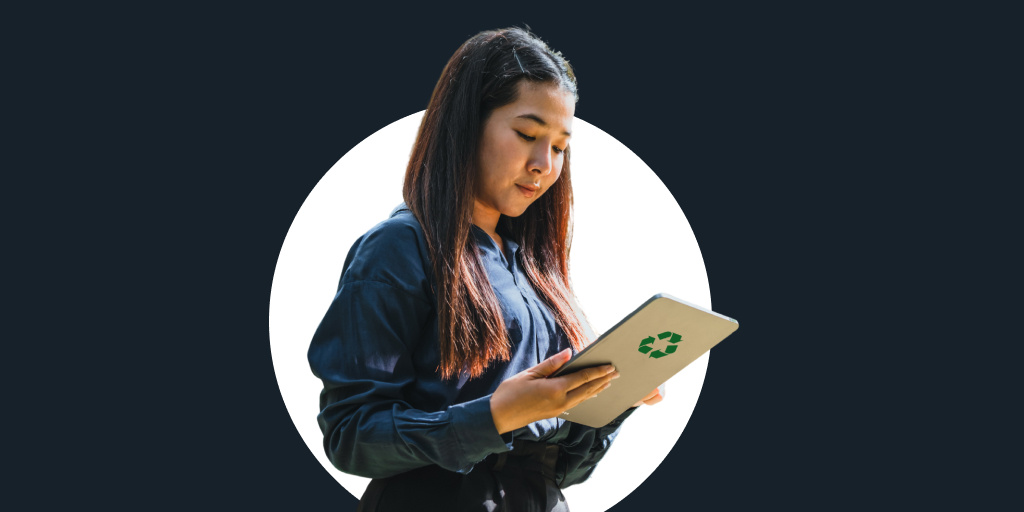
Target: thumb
(551, 364)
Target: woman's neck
(487, 219)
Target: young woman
(451, 314)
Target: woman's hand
(652, 398)
(531, 396)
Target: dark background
(838, 167)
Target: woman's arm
(371, 429)
(531, 396)
(362, 352)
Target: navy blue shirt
(385, 409)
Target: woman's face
(522, 150)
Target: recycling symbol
(646, 348)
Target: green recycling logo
(647, 348)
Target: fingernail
(615, 376)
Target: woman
(451, 313)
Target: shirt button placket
(515, 279)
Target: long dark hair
(482, 75)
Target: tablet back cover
(648, 347)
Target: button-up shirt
(385, 408)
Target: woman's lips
(528, 190)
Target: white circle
(630, 242)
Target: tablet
(648, 347)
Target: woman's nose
(540, 161)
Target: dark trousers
(522, 480)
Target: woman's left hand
(652, 398)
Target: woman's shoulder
(399, 230)
(394, 252)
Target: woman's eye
(527, 138)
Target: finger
(653, 400)
(551, 364)
(645, 399)
(577, 379)
(589, 389)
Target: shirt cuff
(474, 427)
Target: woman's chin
(515, 211)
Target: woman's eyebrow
(535, 117)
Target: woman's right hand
(531, 396)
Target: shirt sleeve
(580, 457)
(363, 350)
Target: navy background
(838, 167)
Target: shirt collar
(481, 235)
(485, 241)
